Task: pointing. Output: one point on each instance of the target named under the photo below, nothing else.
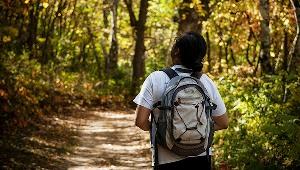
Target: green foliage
(264, 132)
(29, 90)
(20, 98)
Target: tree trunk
(285, 65)
(32, 28)
(226, 55)
(138, 62)
(47, 50)
(265, 62)
(99, 73)
(231, 52)
(113, 52)
(84, 55)
(294, 54)
(139, 52)
(248, 47)
(208, 52)
(189, 18)
(293, 64)
(255, 52)
(104, 44)
(285, 51)
(232, 57)
(220, 69)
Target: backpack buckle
(213, 106)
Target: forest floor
(79, 139)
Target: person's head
(189, 50)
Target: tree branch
(133, 20)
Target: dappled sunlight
(109, 140)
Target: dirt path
(109, 140)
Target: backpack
(184, 124)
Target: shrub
(264, 132)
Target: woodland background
(83, 53)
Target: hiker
(187, 56)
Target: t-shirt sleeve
(217, 99)
(145, 96)
(221, 109)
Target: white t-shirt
(151, 92)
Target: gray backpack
(184, 123)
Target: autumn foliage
(57, 55)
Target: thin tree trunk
(98, 63)
(257, 63)
(32, 28)
(285, 65)
(265, 62)
(208, 52)
(255, 52)
(21, 38)
(84, 55)
(113, 52)
(168, 60)
(97, 58)
(104, 44)
(231, 52)
(295, 49)
(249, 47)
(226, 55)
(220, 69)
(47, 46)
(232, 57)
(285, 51)
(251, 34)
(99, 67)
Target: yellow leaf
(45, 4)
(41, 39)
(6, 39)
(183, 16)
(191, 5)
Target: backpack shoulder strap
(170, 72)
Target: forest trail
(109, 140)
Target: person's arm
(142, 118)
(221, 122)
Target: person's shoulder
(207, 81)
(158, 78)
(206, 77)
(157, 74)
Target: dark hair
(190, 48)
